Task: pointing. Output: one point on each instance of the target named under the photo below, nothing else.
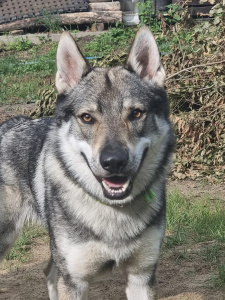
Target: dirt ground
(8, 111)
(183, 279)
(177, 281)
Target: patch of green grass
(212, 252)
(197, 224)
(197, 220)
(20, 250)
(25, 90)
(217, 279)
(22, 77)
(116, 39)
(31, 63)
(180, 254)
(220, 278)
(22, 73)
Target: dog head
(113, 122)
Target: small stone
(17, 32)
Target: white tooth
(125, 186)
(115, 191)
(103, 183)
(106, 186)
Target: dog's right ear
(71, 65)
(144, 58)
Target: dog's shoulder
(25, 122)
(9, 124)
(23, 134)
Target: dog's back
(21, 141)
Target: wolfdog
(95, 173)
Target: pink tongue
(114, 184)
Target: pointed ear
(71, 65)
(144, 57)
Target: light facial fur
(94, 173)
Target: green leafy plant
(20, 44)
(147, 15)
(217, 13)
(173, 13)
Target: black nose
(114, 159)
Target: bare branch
(194, 67)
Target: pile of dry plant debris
(196, 87)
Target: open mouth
(116, 187)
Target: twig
(193, 67)
(205, 88)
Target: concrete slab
(38, 38)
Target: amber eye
(86, 118)
(136, 114)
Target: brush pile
(45, 106)
(196, 88)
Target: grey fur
(85, 172)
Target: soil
(8, 111)
(178, 279)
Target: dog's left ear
(144, 58)
(71, 65)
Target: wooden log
(68, 19)
(91, 17)
(20, 24)
(105, 6)
(97, 1)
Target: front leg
(141, 286)
(60, 289)
(77, 265)
(76, 290)
(51, 274)
(141, 267)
